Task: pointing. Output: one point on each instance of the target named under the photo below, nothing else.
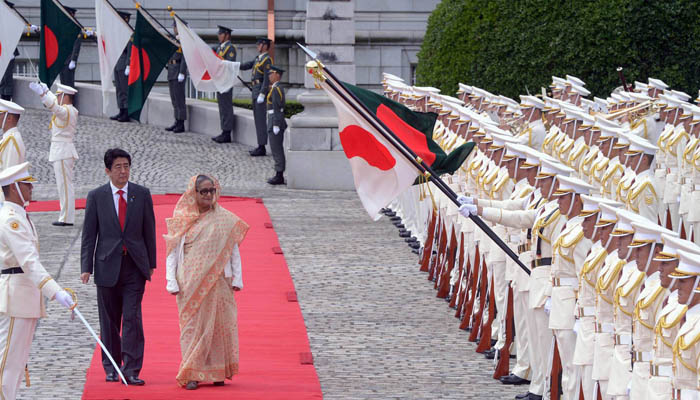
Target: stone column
(315, 159)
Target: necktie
(122, 208)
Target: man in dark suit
(119, 245)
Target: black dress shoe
(395, 218)
(399, 225)
(522, 396)
(415, 251)
(112, 377)
(225, 137)
(411, 239)
(405, 234)
(115, 117)
(135, 380)
(59, 223)
(278, 179)
(179, 126)
(191, 385)
(414, 245)
(513, 380)
(490, 354)
(221, 383)
(258, 151)
(171, 127)
(390, 213)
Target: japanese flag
(113, 34)
(11, 29)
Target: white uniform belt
(586, 312)
(61, 140)
(643, 356)
(623, 339)
(514, 238)
(662, 370)
(565, 282)
(270, 111)
(606, 327)
(685, 394)
(697, 187)
(673, 170)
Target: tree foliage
(512, 47)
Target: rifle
(246, 84)
(622, 79)
(428, 247)
(440, 254)
(503, 365)
(444, 285)
(485, 340)
(477, 317)
(460, 260)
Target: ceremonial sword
(94, 335)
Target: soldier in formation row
(597, 197)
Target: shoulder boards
(635, 192)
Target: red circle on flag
(134, 70)
(50, 46)
(0, 49)
(357, 142)
(206, 76)
(146, 63)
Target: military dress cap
(607, 133)
(640, 145)
(70, 9)
(623, 139)
(648, 232)
(276, 69)
(657, 84)
(639, 97)
(559, 83)
(393, 77)
(608, 214)
(531, 101)
(223, 29)
(425, 89)
(602, 103)
(515, 150)
(65, 89)
(570, 184)
(552, 168)
(601, 122)
(640, 86)
(672, 243)
(464, 88)
(10, 107)
(625, 218)
(688, 265)
(263, 40)
(16, 173)
(124, 14)
(574, 80)
(681, 95)
(591, 204)
(580, 90)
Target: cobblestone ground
(375, 327)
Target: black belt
(255, 81)
(541, 262)
(524, 247)
(10, 271)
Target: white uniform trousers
(660, 388)
(63, 169)
(583, 355)
(570, 373)
(501, 295)
(16, 336)
(640, 380)
(540, 342)
(522, 335)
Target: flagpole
(417, 162)
(140, 7)
(117, 11)
(58, 3)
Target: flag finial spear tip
(137, 5)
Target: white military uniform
(12, 149)
(62, 153)
(23, 284)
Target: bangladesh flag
(150, 52)
(380, 171)
(58, 33)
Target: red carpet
(274, 348)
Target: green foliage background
(511, 46)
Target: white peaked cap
(648, 232)
(61, 88)
(10, 107)
(16, 173)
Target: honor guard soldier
(686, 347)
(226, 51)
(177, 72)
(23, 280)
(68, 71)
(62, 153)
(12, 149)
(261, 85)
(276, 124)
(121, 79)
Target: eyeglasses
(204, 192)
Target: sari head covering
(209, 240)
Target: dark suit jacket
(102, 240)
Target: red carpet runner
(272, 334)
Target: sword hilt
(74, 296)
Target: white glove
(126, 71)
(548, 305)
(261, 98)
(465, 199)
(180, 77)
(467, 209)
(33, 28)
(275, 130)
(36, 88)
(71, 64)
(89, 33)
(64, 299)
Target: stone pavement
(375, 327)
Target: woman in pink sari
(203, 270)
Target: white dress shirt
(115, 195)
